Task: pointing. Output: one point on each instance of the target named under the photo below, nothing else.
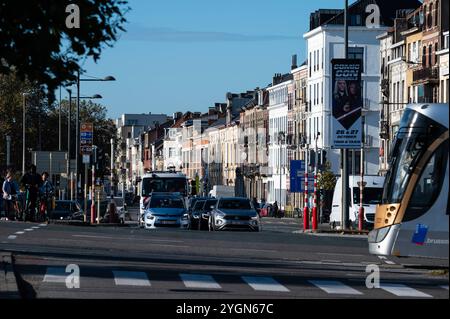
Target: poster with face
(347, 103)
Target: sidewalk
(8, 284)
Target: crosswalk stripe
(28, 229)
(444, 287)
(35, 227)
(401, 290)
(264, 284)
(12, 237)
(199, 281)
(131, 278)
(20, 232)
(334, 287)
(42, 225)
(55, 275)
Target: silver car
(234, 213)
(166, 211)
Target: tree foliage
(37, 45)
(326, 180)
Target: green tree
(37, 45)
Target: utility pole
(23, 133)
(361, 186)
(112, 167)
(8, 150)
(306, 209)
(77, 135)
(314, 210)
(59, 122)
(69, 120)
(344, 152)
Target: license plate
(168, 222)
(236, 222)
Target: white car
(166, 211)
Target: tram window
(429, 185)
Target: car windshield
(235, 204)
(199, 204)
(209, 203)
(62, 206)
(166, 202)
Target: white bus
(161, 182)
(412, 219)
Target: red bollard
(92, 212)
(361, 218)
(305, 218)
(314, 218)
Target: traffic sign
(86, 138)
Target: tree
(326, 182)
(37, 45)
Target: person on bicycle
(32, 182)
(10, 190)
(46, 192)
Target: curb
(340, 234)
(8, 284)
(86, 224)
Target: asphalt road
(129, 262)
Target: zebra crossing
(257, 283)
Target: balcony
(426, 75)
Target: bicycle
(29, 215)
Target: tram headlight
(377, 235)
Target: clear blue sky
(180, 55)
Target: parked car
(103, 207)
(206, 212)
(65, 210)
(166, 210)
(234, 213)
(266, 210)
(195, 212)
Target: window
(435, 50)
(310, 63)
(430, 55)
(424, 56)
(357, 53)
(429, 185)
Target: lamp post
(314, 210)
(23, 132)
(77, 147)
(281, 136)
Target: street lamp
(77, 146)
(23, 132)
(281, 138)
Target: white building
(278, 131)
(325, 43)
(173, 144)
(443, 70)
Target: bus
(412, 219)
(161, 182)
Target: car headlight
(220, 215)
(185, 217)
(255, 217)
(195, 215)
(150, 216)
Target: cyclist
(46, 192)
(10, 190)
(32, 182)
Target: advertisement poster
(347, 104)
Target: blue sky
(180, 55)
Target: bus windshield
(415, 135)
(164, 185)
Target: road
(129, 262)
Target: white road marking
(444, 287)
(35, 227)
(111, 237)
(20, 232)
(28, 229)
(330, 261)
(131, 278)
(389, 262)
(382, 257)
(56, 275)
(42, 225)
(199, 281)
(264, 284)
(341, 254)
(334, 287)
(12, 237)
(401, 290)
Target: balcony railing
(426, 74)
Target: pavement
(64, 261)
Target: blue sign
(420, 234)
(297, 177)
(86, 135)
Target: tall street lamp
(77, 133)
(281, 137)
(23, 132)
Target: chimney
(294, 62)
(229, 107)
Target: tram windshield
(417, 132)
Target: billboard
(347, 104)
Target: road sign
(86, 138)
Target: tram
(413, 217)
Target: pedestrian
(10, 190)
(112, 211)
(275, 209)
